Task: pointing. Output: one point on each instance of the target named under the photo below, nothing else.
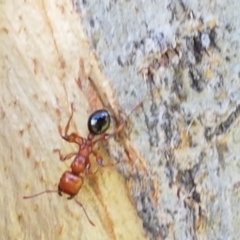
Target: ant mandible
(71, 181)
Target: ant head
(98, 122)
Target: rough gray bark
(184, 56)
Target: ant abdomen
(99, 122)
(70, 184)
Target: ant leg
(55, 191)
(37, 194)
(85, 212)
(99, 160)
(90, 172)
(68, 124)
(87, 169)
(71, 197)
(118, 130)
(68, 156)
(69, 120)
(106, 136)
(73, 137)
(59, 191)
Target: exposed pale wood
(44, 54)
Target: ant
(71, 181)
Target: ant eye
(99, 122)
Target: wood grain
(46, 64)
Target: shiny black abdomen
(99, 122)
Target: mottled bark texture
(183, 58)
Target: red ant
(71, 181)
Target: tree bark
(182, 57)
(178, 154)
